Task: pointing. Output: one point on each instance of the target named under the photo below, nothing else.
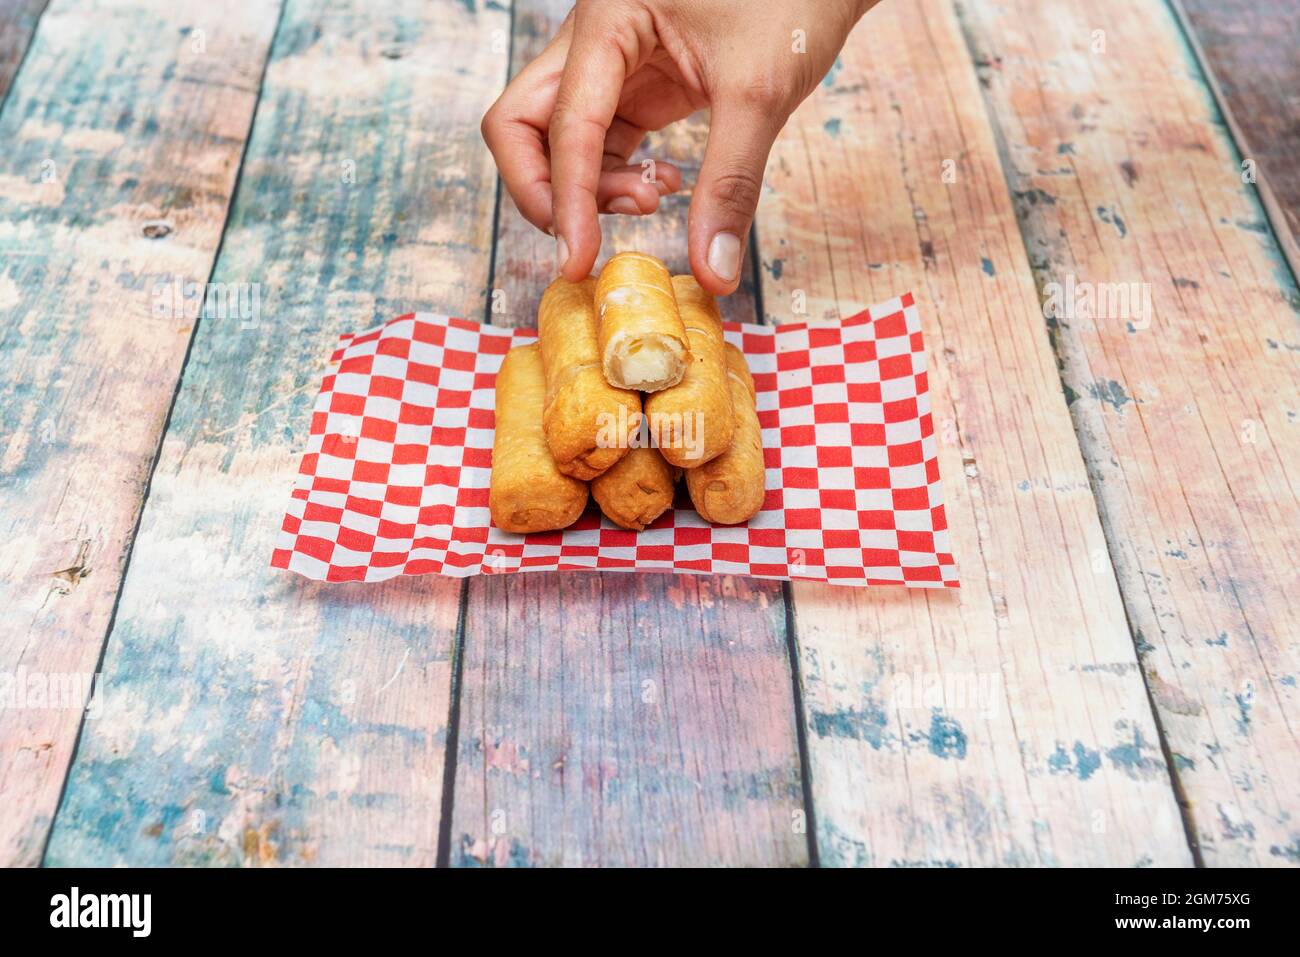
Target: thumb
(727, 191)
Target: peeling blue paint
(1244, 704)
(1083, 764)
(1059, 761)
(327, 719)
(217, 780)
(1109, 668)
(947, 740)
(987, 266)
(1110, 392)
(932, 862)
(1032, 197)
(1132, 758)
(1233, 829)
(832, 126)
(1290, 852)
(389, 800)
(1113, 218)
(839, 849)
(866, 724)
(519, 856)
(1087, 761)
(829, 79)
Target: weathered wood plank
(1187, 411)
(622, 719)
(18, 19)
(251, 717)
(1006, 723)
(121, 143)
(1248, 48)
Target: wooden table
(1115, 682)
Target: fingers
(585, 106)
(556, 124)
(525, 170)
(515, 130)
(632, 188)
(727, 190)
(625, 190)
(664, 177)
(622, 139)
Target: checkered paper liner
(396, 473)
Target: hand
(564, 128)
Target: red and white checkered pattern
(395, 477)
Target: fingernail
(625, 205)
(724, 256)
(561, 253)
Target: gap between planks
(899, 784)
(322, 740)
(76, 286)
(1175, 783)
(666, 771)
(1167, 411)
(157, 455)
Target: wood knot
(157, 229)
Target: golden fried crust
(637, 490)
(587, 421)
(528, 493)
(642, 341)
(730, 488)
(693, 421)
(738, 368)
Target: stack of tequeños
(629, 385)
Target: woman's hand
(563, 130)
